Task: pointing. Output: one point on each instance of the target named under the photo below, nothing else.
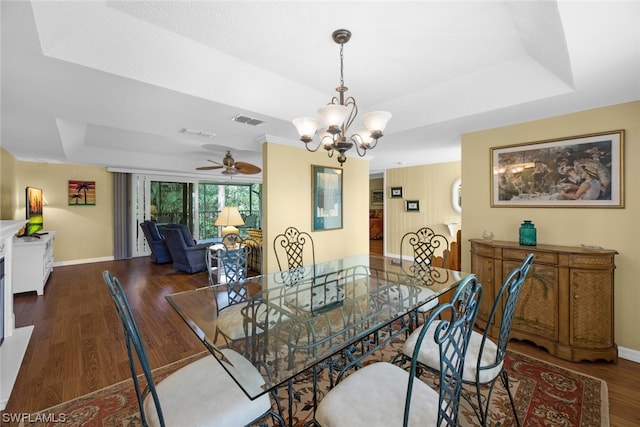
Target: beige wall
(431, 186)
(617, 229)
(287, 202)
(8, 190)
(83, 233)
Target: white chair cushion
(375, 396)
(429, 354)
(230, 321)
(422, 294)
(203, 394)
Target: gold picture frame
(576, 171)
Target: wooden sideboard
(566, 303)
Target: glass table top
(297, 319)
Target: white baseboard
(629, 354)
(82, 261)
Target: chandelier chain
(341, 65)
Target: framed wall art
(377, 197)
(577, 171)
(326, 206)
(82, 193)
(396, 192)
(412, 206)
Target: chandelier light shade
(338, 115)
(228, 218)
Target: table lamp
(228, 218)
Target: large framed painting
(326, 188)
(577, 171)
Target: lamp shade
(333, 114)
(376, 121)
(306, 126)
(363, 137)
(229, 216)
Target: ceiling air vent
(247, 120)
(197, 132)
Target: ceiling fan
(231, 167)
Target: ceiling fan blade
(208, 168)
(247, 168)
(213, 161)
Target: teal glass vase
(527, 233)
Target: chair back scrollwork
(452, 337)
(294, 249)
(228, 266)
(422, 246)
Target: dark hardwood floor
(77, 345)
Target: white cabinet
(32, 262)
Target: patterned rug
(545, 394)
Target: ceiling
(114, 83)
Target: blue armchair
(187, 255)
(159, 251)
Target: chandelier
(338, 115)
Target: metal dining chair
(383, 394)
(227, 263)
(420, 247)
(201, 393)
(294, 250)
(484, 362)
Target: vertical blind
(122, 215)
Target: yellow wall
(8, 188)
(617, 229)
(83, 233)
(431, 186)
(287, 202)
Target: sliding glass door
(190, 202)
(163, 200)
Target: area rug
(545, 395)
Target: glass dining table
(328, 315)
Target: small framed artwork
(326, 183)
(377, 197)
(396, 192)
(412, 206)
(576, 171)
(82, 193)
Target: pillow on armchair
(255, 257)
(159, 251)
(256, 234)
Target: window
(212, 197)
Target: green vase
(527, 233)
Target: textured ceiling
(113, 83)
